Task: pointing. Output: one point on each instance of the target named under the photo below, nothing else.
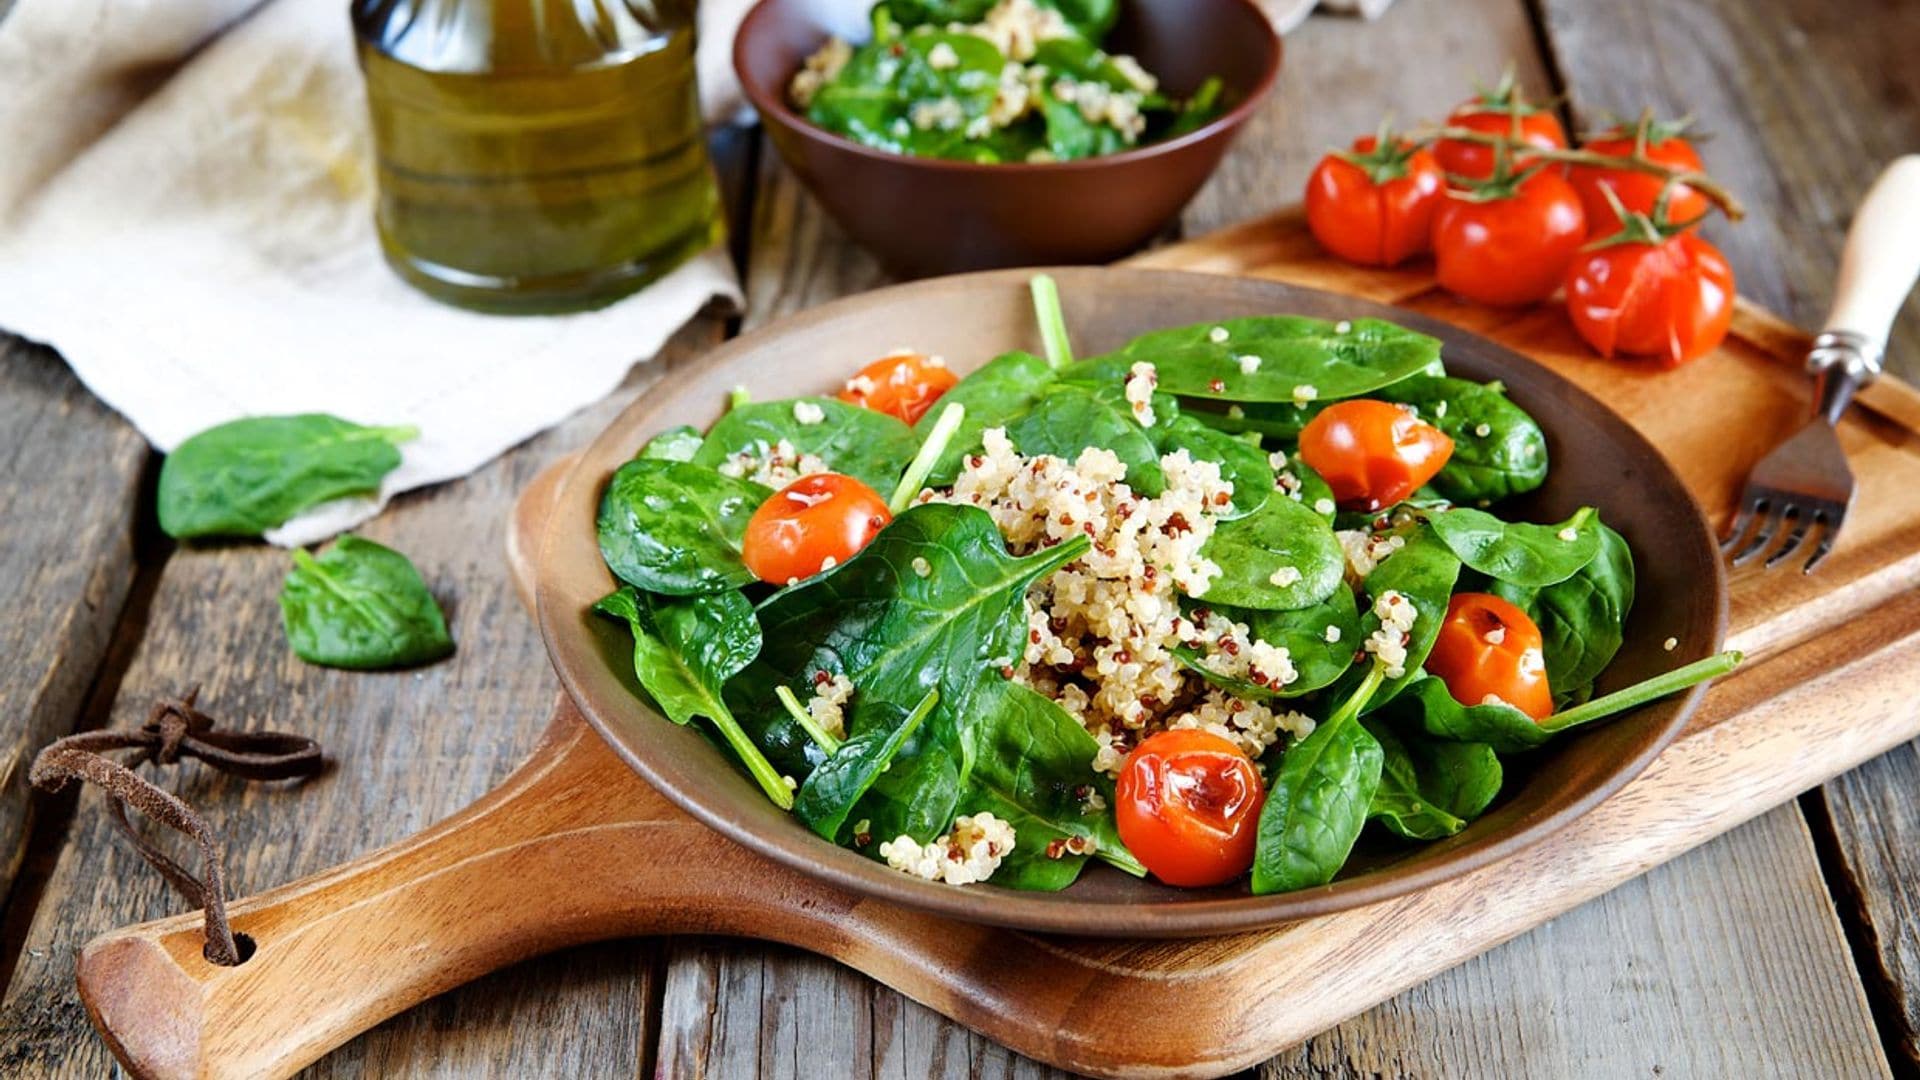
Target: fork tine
(1793, 539)
(1748, 507)
(1763, 534)
(1832, 528)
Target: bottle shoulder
(517, 36)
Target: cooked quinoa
(1101, 631)
(774, 466)
(969, 852)
(827, 706)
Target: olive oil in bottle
(536, 155)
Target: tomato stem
(930, 451)
(1053, 324)
(1644, 691)
(821, 736)
(1698, 181)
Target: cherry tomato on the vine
(904, 385)
(1374, 206)
(1511, 244)
(816, 518)
(1372, 453)
(1187, 804)
(1637, 191)
(1668, 299)
(1505, 112)
(1488, 648)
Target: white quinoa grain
(1323, 506)
(1217, 335)
(1483, 430)
(808, 412)
(1333, 633)
(1342, 327)
(921, 566)
(1248, 364)
(1285, 576)
(1568, 534)
(1141, 379)
(1670, 644)
(942, 57)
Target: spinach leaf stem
(930, 451)
(1053, 324)
(821, 736)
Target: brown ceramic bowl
(925, 216)
(1597, 459)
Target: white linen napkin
(185, 214)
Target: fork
(1805, 484)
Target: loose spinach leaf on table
(675, 527)
(1318, 800)
(246, 476)
(1281, 534)
(1515, 552)
(876, 732)
(363, 606)
(1294, 351)
(1070, 418)
(1510, 458)
(1431, 788)
(673, 444)
(994, 396)
(897, 634)
(1583, 619)
(685, 649)
(872, 447)
(1242, 464)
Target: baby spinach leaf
(1517, 553)
(1070, 418)
(1431, 788)
(1583, 619)
(1242, 464)
(1033, 767)
(1314, 491)
(363, 606)
(874, 97)
(1424, 571)
(1318, 801)
(1499, 725)
(673, 444)
(896, 633)
(918, 795)
(246, 476)
(1317, 661)
(684, 651)
(1092, 18)
(1281, 534)
(871, 447)
(1199, 110)
(994, 395)
(1498, 450)
(675, 527)
(832, 790)
(1293, 352)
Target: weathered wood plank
(1805, 101)
(1720, 963)
(72, 472)
(408, 749)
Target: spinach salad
(1206, 607)
(993, 81)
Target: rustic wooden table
(1789, 946)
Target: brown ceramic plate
(1598, 460)
(927, 216)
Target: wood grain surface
(1696, 968)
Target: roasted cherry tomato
(1488, 648)
(1501, 111)
(904, 385)
(1373, 453)
(1638, 192)
(1374, 206)
(1187, 804)
(1668, 299)
(1511, 243)
(810, 525)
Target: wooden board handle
(573, 847)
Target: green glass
(536, 155)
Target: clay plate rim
(570, 577)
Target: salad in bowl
(1205, 607)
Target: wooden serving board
(1832, 659)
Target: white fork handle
(1879, 264)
